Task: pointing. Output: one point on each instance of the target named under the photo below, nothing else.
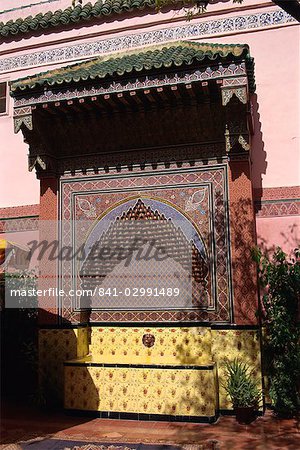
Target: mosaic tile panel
(141, 390)
(145, 390)
(55, 347)
(86, 198)
(171, 346)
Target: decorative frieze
(277, 208)
(193, 30)
(19, 224)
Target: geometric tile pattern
(277, 202)
(55, 347)
(19, 218)
(141, 390)
(19, 224)
(242, 226)
(277, 208)
(174, 346)
(277, 193)
(19, 211)
(178, 187)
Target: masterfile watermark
(53, 251)
(50, 292)
(108, 264)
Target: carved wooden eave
(68, 120)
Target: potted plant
(242, 390)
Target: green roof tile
(167, 55)
(72, 15)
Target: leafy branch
(280, 281)
(193, 7)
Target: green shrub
(240, 385)
(280, 281)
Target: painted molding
(19, 224)
(19, 218)
(277, 208)
(209, 28)
(282, 201)
(277, 193)
(20, 212)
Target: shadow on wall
(288, 240)
(205, 393)
(57, 345)
(245, 294)
(258, 153)
(32, 374)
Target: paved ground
(266, 433)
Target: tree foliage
(280, 281)
(195, 6)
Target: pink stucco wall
(18, 186)
(281, 232)
(275, 145)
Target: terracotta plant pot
(245, 415)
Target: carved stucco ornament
(23, 116)
(231, 138)
(244, 144)
(235, 86)
(38, 161)
(227, 139)
(239, 92)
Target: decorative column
(236, 102)
(243, 239)
(48, 312)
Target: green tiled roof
(72, 15)
(156, 57)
